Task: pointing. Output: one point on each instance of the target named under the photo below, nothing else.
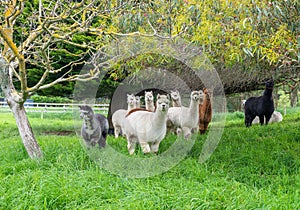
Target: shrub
(50, 99)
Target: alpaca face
(197, 95)
(148, 96)
(175, 95)
(163, 102)
(86, 112)
(130, 99)
(207, 93)
(270, 84)
(137, 99)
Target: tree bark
(16, 104)
(294, 97)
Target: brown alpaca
(205, 111)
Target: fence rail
(54, 107)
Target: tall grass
(252, 168)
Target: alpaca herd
(148, 125)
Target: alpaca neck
(176, 103)
(149, 105)
(88, 123)
(194, 108)
(268, 91)
(130, 107)
(160, 117)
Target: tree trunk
(294, 97)
(26, 133)
(16, 104)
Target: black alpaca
(262, 106)
(94, 128)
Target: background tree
(41, 34)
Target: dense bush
(50, 99)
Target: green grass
(254, 168)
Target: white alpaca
(137, 102)
(275, 117)
(176, 99)
(186, 118)
(146, 127)
(149, 101)
(118, 116)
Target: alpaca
(186, 118)
(262, 106)
(137, 102)
(176, 99)
(146, 127)
(118, 116)
(205, 111)
(276, 117)
(149, 101)
(94, 128)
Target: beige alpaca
(275, 117)
(146, 127)
(176, 99)
(118, 116)
(149, 101)
(185, 119)
(137, 102)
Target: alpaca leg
(102, 142)
(131, 142)
(201, 128)
(248, 120)
(261, 119)
(186, 132)
(145, 147)
(94, 141)
(130, 147)
(204, 128)
(195, 130)
(155, 147)
(117, 131)
(268, 117)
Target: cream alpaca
(146, 127)
(176, 99)
(186, 118)
(118, 116)
(275, 117)
(137, 102)
(149, 101)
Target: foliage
(50, 99)
(251, 168)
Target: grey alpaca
(94, 127)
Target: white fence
(54, 107)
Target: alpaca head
(148, 96)
(162, 102)
(207, 93)
(269, 84)
(130, 99)
(175, 95)
(197, 96)
(137, 100)
(86, 112)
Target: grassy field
(255, 168)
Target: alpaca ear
(80, 107)
(158, 96)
